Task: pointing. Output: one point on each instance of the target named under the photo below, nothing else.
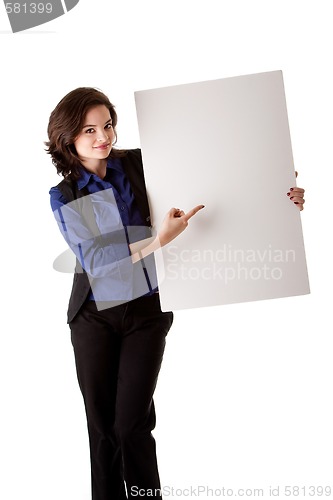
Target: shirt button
(122, 208)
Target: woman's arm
(100, 255)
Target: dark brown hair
(65, 124)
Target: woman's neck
(97, 167)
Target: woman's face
(94, 142)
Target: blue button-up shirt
(105, 255)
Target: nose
(102, 136)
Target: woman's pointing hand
(174, 223)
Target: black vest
(132, 165)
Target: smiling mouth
(103, 146)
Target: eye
(90, 131)
(108, 126)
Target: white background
(244, 398)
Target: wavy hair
(65, 124)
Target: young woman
(117, 327)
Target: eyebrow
(85, 126)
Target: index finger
(193, 212)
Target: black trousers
(118, 355)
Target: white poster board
(224, 144)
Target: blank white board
(224, 144)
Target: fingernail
(291, 197)
(296, 202)
(291, 189)
(288, 194)
(202, 206)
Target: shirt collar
(84, 179)
(86, 175)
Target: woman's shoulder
(121, 153)
(131, 158)
(135, 152)
(134, 155)
(57, 199)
